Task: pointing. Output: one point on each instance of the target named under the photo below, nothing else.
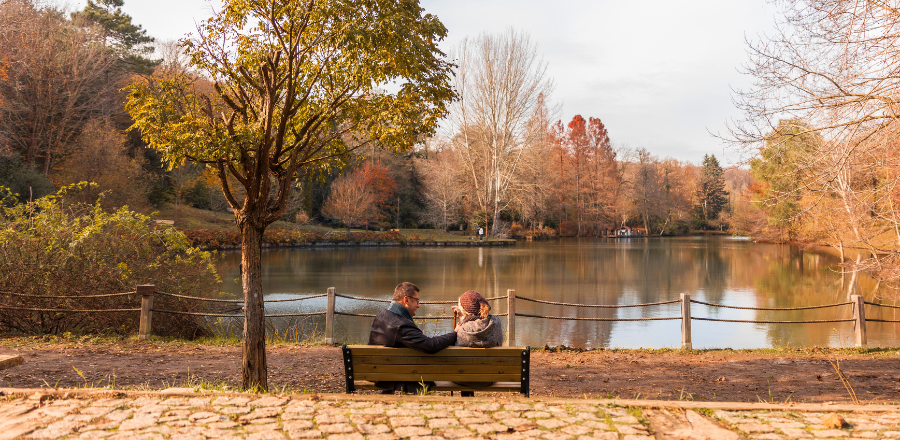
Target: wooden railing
(147, 293)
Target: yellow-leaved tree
(297, 85)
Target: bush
(286, 236)
(22, 180)
(54, 248)
(516, 231)
(223, 238)
(541, 234)
(100, 156)
(568, 229)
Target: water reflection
(589, 271)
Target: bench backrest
(457, 364)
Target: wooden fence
(148, 292)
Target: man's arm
(412, 337)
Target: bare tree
(500, 81)
(53, 77)
(441, 188)
(350, 201)
(678, 180)
(646, 188)
(833, 65)
(536, 173)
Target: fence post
(511, 318)
(329, 318)
(145, 327)
(686, 321)
(859, 314)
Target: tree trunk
(494, 222)
(852, 287)
(253, 344)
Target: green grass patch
(777, 351)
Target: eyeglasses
(412, 297)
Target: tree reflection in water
(588, 271)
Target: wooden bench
(507, 367)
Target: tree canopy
(128, 41)
(779, 172)
(298, 84)
(711, 195)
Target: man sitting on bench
(394, 327)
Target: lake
(722, 270)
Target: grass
(836, 364)
(805, 351)
(19, 340)
(187, 217)
(110, 380)
(194, 382)
(438, 235)
(199, 384)
(705, 412)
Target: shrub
(21, 180)
(541, 233)
(53, 248)
(219, 238)
(568, 229)
(516, 231)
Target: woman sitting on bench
(477, 328)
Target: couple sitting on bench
(394, 327)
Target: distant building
(627, 231)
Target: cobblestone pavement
(120, 415)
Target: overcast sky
(658, 73)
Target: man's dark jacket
(393, 330)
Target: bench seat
(507, 367)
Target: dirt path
(713, 376)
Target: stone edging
(39, 393)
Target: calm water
(589, 271)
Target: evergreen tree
(128, 41)
(779, 174)
(711, 195)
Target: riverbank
(224, 239)
(709, 375)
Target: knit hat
(474, 304)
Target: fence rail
(824, 306)
(148, 292)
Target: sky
(658, 73)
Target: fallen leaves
(834, 421)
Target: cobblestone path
(90, 415)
